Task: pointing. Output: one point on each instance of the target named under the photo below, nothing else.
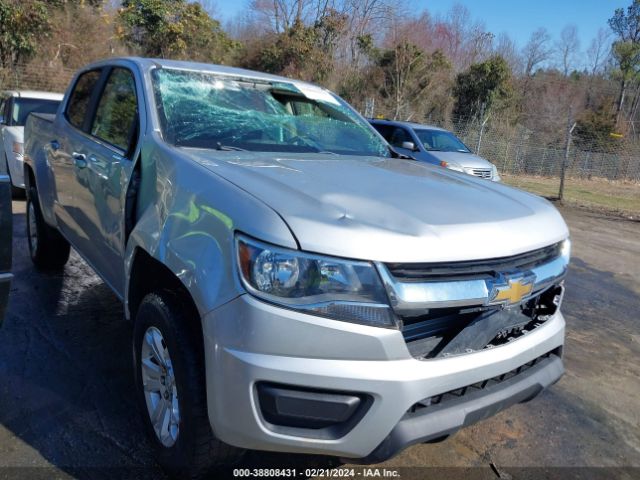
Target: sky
(518, 18)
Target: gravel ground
(66, 390)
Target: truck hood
(466, 160)
(389, 210)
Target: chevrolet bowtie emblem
(513, 292)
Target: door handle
(79, 159)
(55, 145)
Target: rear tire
(184, 442)
(47, 248)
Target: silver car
(293, 286)
(436, 146)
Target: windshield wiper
(229, 148)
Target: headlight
(565, 249)
(18, 148)
(452, 166)
(329, 287)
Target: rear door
(66, 151)
(101, 183)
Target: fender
(187, 221)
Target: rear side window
(116, 115)
(80, 98)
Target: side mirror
(409, 145)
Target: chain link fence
(48, 78)
(520, 151)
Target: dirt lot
(66, 395)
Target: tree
(536, 51)
(485, 86)
(407, 73)
(626, 49)
(593, 129)
(598, 51)
(506, 48)
(282, 15)
(627, 25)
(567, 48)
(173, 28)
(22, 25)
(627, 57)
(67, 44)
(302, 51)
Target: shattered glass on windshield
(205, 110)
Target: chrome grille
(408, 272)
(482, 173)
(451, 308)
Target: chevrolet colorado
(293, 284)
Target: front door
(101, 184)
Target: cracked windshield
(204, 110)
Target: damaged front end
(464, 307)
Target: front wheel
(47, 248)
(171, 387)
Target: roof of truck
(33, 94)
(148, 63)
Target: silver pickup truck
(293, 285)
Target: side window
(400, 135)
(308, 108)
(2, 108)
(80, 98)
(116, 115)
(384, 130)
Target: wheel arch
(147, 275)
(29, 177)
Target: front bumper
(248, 342)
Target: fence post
(369, 107)
(565, 160)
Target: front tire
(48, 249)
(171, 387)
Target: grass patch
(615, 197)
